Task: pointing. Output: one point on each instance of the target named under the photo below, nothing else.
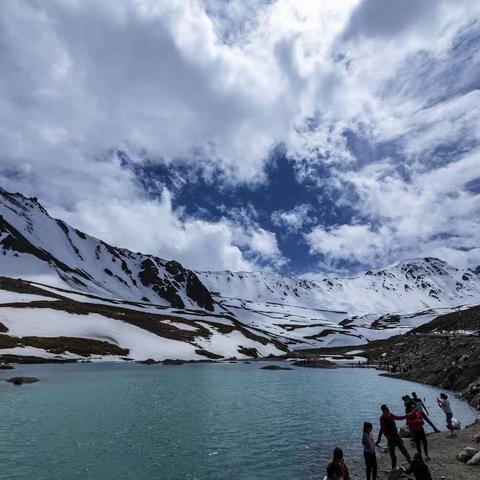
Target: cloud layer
(375, 105)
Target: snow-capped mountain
(410, 285)
(85, 289)
(35, 246)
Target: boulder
(315, 363)
(466, 454)
(475, 460)
(22, 380)
(275, 367)
(149, 361)
(5, 367)
(476, 438)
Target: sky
(293, 136)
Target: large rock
(476, 438)
(466, 454)
(22, 380)
(475, 460)
(275, 367)
(316, 363)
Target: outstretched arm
(379, 437)
(425, 408)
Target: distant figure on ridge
(389, 429)
(415, 425)
(368, 443)
(422, 410)
(419, 468)
(337, 468)
(444, 404)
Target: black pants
(425, 417)
(420, 438)
(371, 465)
(449, 421)
(393, 443)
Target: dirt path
(443, 450)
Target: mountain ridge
(293, 312)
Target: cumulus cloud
(376, 103)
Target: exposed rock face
(32, 240)
(149, 276)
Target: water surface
(205, 422)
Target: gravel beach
(443, 450)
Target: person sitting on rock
(337, 468)
(389, 429)
(419, 468)
(444, 404)
(415, 425)
(422, 410)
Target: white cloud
(154, 227)
(219, 85)
(295, 219)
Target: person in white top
(444, 404)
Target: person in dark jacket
(389, 429)
(419, 468)
(369, 451)
(422, 409)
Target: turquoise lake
(205, 422)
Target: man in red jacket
(389, 429)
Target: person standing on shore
(369, 451)
(422, 410)
(415, 425)
(389, 429)
(444, 404)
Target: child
(444, 404)
(419, 468)
(368, 443)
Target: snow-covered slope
(54, 324)
(294, 312)
(35, 246)
(345, 311)
(404, 287)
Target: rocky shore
(444, 464)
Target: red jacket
(415, 421)
(387, 425)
